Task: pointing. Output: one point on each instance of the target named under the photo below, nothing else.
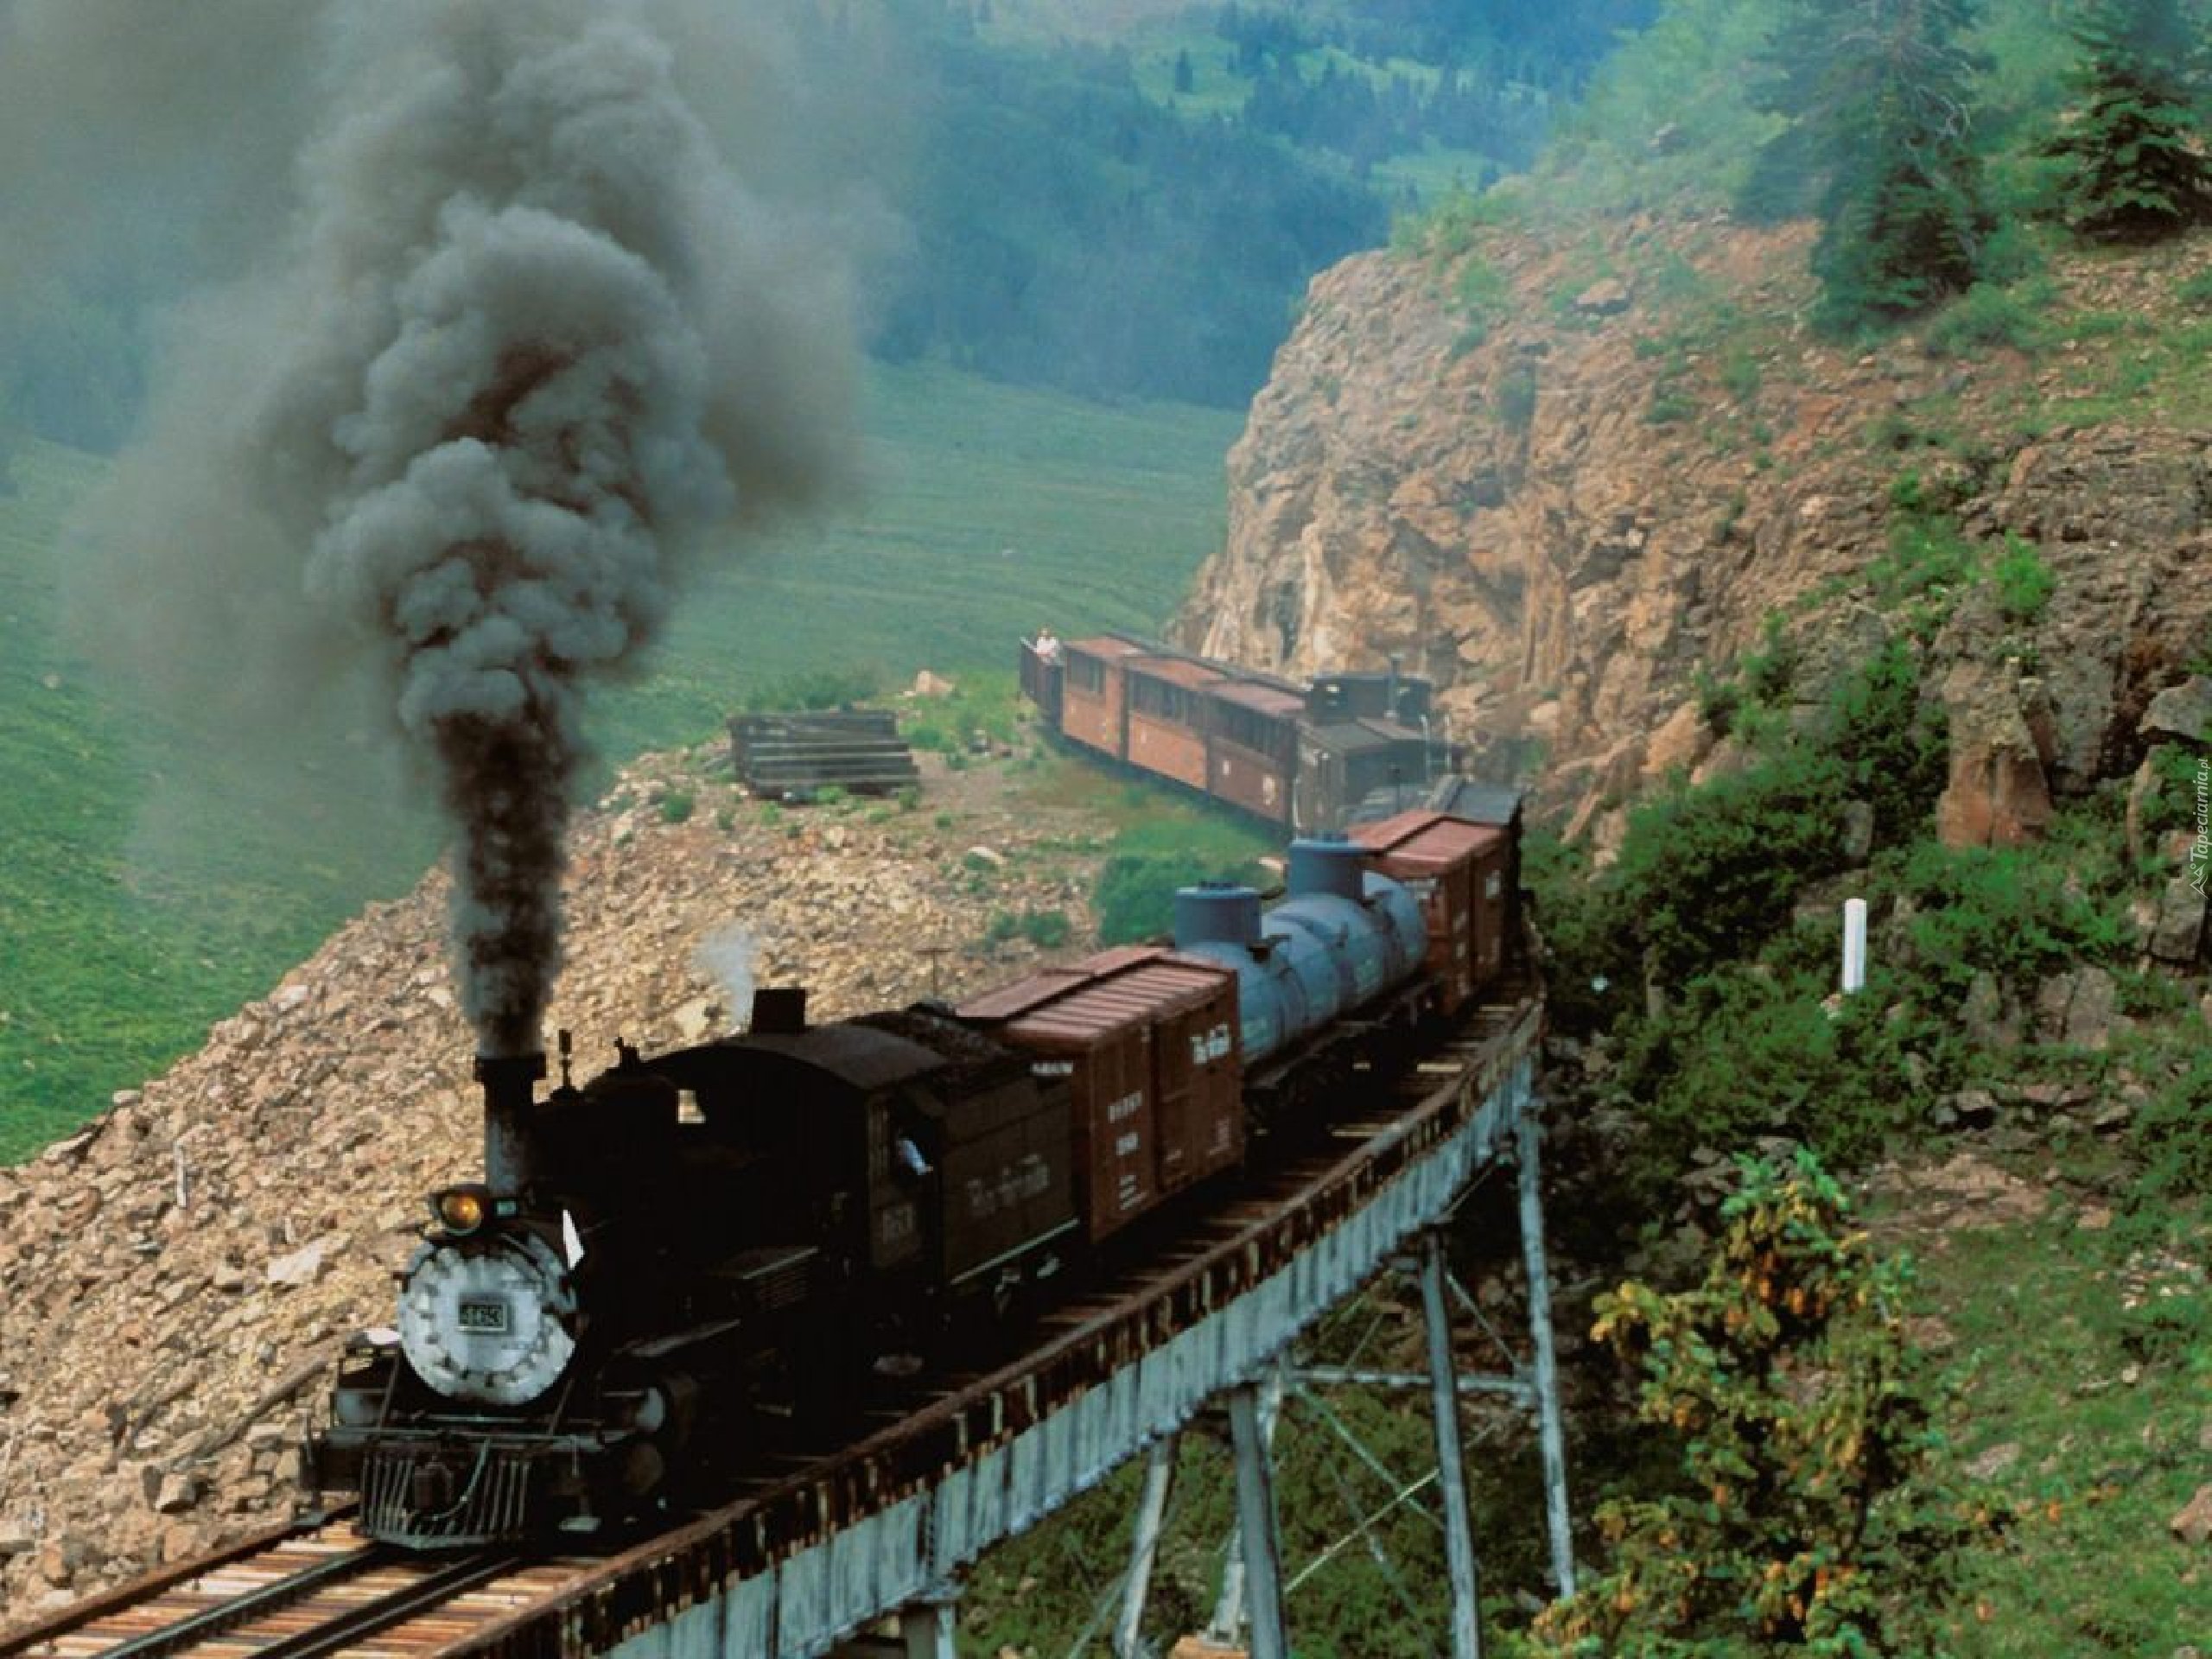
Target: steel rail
(107, 1603)
(341, 1630)
(243, 1608)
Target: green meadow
(135, 911)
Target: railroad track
(315, 1591)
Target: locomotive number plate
(484, 1313)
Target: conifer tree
(2135, 166)
(1877, 97)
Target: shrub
(1516, 398)
(1708, 874)
(1984, 317)
(677, 805)
(1890, 742)
(2172, 1135)
(1480, 295)
(2171, 802)
(983, 711)
(2023, 580)
(1752, 1051)
(1048, 930)
(2006, 910)
(1786, 1383)
(1134, 899)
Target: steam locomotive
(694, 1253)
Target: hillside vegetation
(1798, 478)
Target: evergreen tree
(2134, 167)
(1877, 146)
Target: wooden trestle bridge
(818, 1556)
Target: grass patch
(2072, 1440)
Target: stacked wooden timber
(794, 757)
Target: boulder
(2193, 1524)
(1998, 793)
(2183, 711)
(2175, 935)
(2080, 1008)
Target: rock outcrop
(1564, 504)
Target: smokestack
(509, 1100)
(780, 1010)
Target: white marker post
(1854, 946)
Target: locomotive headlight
(489, 1319)
(460, 1210)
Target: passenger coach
(1300, 757)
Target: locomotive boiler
(695, 1255)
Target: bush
(2023, 580)
(677, 805)
(1751, 1051)
(2172, 1135)
(1134, 899)
(1893, 746)
(1048, 930)
(2013, 913)
(1786, 1382)
(982, 712)
(1516, 398)
(1707, 875)
(1984, 317)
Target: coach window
(1242, 726)
(1087, 672)
(1169, 703)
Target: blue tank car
(1343, 937)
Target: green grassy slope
(984, 511)
(988, 510)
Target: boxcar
(1303, 759)
(1093, 705)
(1147, 1041)
(1462, 874)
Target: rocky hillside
(174, 1282)
(1564, 474)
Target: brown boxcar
(1460, 872)
(1093, 708)
(1146, 1040)
(1255, 749)
(1166, 699)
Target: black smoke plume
(543, 326)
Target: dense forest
(1138, 217)
(1133, 218)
